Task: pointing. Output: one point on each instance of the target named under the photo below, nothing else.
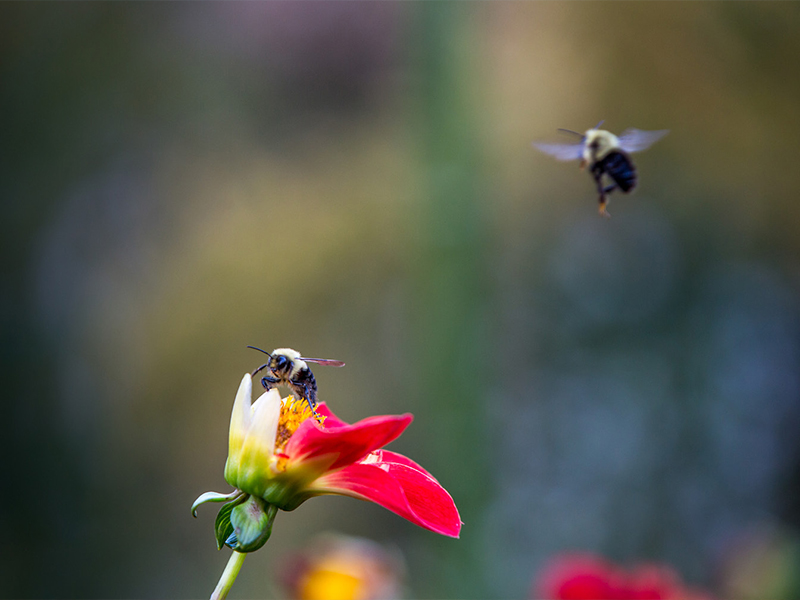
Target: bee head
(280, 363)
(282, 360)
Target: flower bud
(252, 524)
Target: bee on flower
(279, 456)
(287, 367)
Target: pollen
(293, 413)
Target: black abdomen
(620, 168)
(306, 383)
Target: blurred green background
(356, 181)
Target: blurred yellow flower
(337, 567)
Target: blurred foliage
(356, 181)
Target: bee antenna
(260, 350)
(580, 135)
(600, 123)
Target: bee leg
(601, 190)
(603, 203)
(308, 394)
(268, 382)
(314, 412)
(604, 200)
(598, 180)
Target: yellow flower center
(293, 413)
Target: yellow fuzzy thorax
(597, 144)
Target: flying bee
(605, 154)
(287, 367)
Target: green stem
(228, 576)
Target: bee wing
(561, 151)
(323, 361)
(636, 140)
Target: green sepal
(222, 526)
(251, 524)
(215, 497)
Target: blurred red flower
(583, 576)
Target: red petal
(331, 420)
(347, 443)
(387, 456)
(410, 492)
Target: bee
(605, 154)
(287, 367)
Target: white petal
(242, 414)
(260, 441)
